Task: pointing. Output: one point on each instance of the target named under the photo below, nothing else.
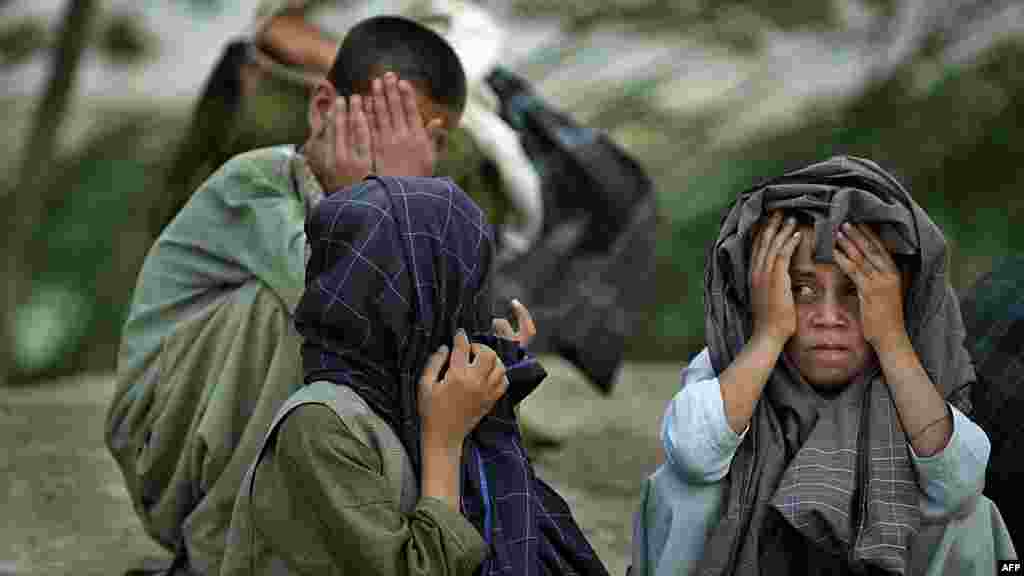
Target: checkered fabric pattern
(396, 266)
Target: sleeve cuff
(724, 437)
(941, 460)
(695, 433)
(955, 473)
(457, 529)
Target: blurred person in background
(575, 213)
(292, 44)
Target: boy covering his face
(386, 463)
(209, 352)
(825, 428)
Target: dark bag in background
(591, 273)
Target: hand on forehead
(813, 247)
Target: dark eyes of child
(807, 292)
(803, 291)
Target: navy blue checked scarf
(397, 266)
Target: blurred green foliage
(91, 247)
(949, 133)
(125, 39)
(20, 39)
(953, 147)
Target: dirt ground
(65, 509)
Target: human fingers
(484, 357)
(460, 350)
(876, 250)
(497, 382)
(369, 110)
(395, 106)
(851, 268)
(380, 108)
(763, 241)
(340, 128)
(854, 250)
(359, 129)
(527, 327)
(432, 371)
(410, 112)
(429, 379)
(784, 235)
(503, 329)
(787, 250)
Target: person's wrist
(893, 341)
(770, 337)
(442, 444)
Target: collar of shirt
(306, 183)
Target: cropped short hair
(405, 47)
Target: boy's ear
(324, 95)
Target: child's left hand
(865, 259)
(402, 144)
(527, 329)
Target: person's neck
(308, 151)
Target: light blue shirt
(699, 446)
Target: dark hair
(409, 49)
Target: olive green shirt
(333, 492)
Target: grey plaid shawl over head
(832, 478)
(397, 265)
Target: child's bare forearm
(440, 478)
(297, 42)
(926, 418)
(743, 381)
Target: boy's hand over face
(773, 309)
(451, 407)
(864, 258)
(343, 148)
(402, 145)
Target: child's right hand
(404, 144)
(451, 407)
(343, 154)
(773, 308)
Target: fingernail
(461, 332)
(390, 76)
(515, 302)
(845, 226)
(790, 220)
(443, 349)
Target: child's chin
(828, 381)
